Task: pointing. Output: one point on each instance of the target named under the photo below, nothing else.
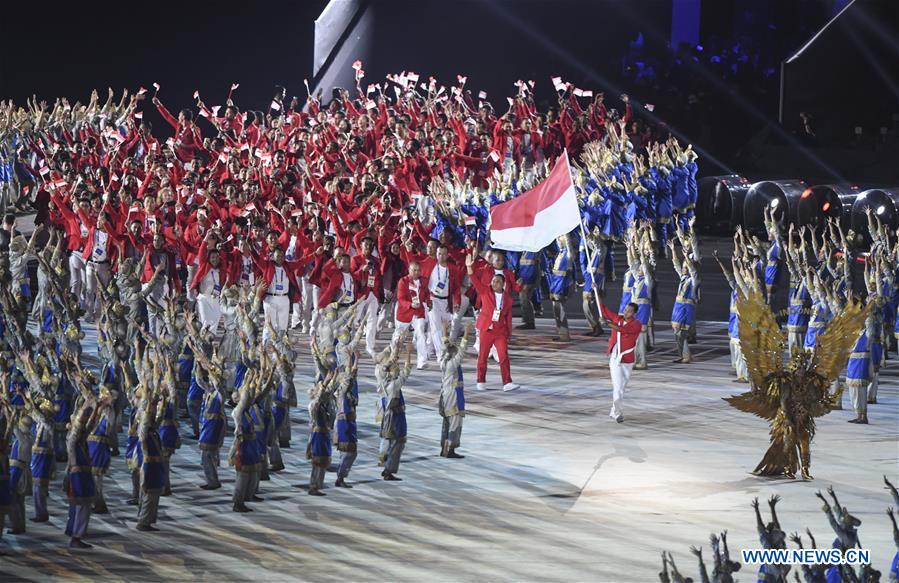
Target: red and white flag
(533, 220)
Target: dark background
(67, 51)
(849, 79)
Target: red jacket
(203, 268)
(266, 268)
(404, 294)
(626, 334)
(358, 264)
(171, 271)
(503, 324)
(331, 281)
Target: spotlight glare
(806, 193)
(826, 207)
(775, 203)
(881, 209)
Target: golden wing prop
(764, 404)
(761, 339)
(834, 345)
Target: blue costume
(346, 418)
(560, 277)
(821, 316)
(80, 475)
(98, 445)
(246, 456)
(152, 462)
(684, 311)
(212, 421)
(320, 418)
(797, 314)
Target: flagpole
(590, 254)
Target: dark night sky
(187, 45)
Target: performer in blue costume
(152, 462)
(80, 487)
(528, 274)
(774, 254)
(683, 314)
(594, 279)
(451, 403)
(393, 423)
(245, 455)
(98, 446)
(321, 419)
(560, 280)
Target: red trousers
(489, 339)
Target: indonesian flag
(533, 220)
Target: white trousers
(313, 309)
(209, 311)
(277, 312)
(93, 273)
(464, 303)
(191, 294)
(367, 314)
(76, 275)
(438, 316)
(303, 312)
(737, 360)
(388, 310)
(858, 395)
(621, 373)
(419, 337)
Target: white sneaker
(422, 366)
(510, 387)
(481, 387)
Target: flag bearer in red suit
(494, 323)
(622, 346)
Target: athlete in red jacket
(622, 344)
(494, 324)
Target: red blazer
(203, 267)
(503, 325)
(171, 270)
(330, 282)
(627, 333)
(358, 264)
(404, 293)
(266, 268)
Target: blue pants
(79, 517)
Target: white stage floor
(551, 488)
